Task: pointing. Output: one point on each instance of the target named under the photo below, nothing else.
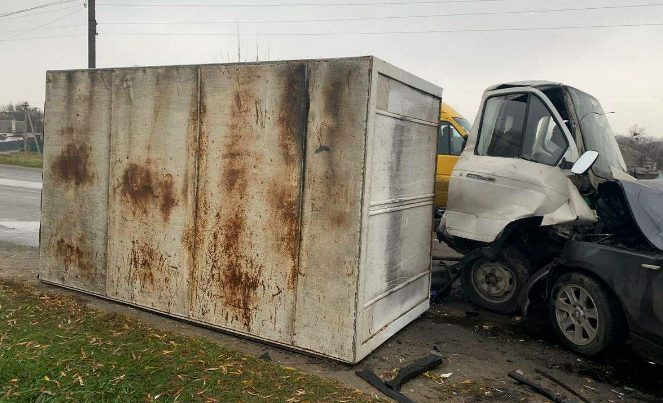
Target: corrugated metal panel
(338, 96)
(397, 97)
(402, 153)
(252, 133)
(152, 186)
(397, 259)
(75, 179)
(396, 275)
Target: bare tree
(636, 132)
(17, 111)
(639, 148)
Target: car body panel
(634, 280)
(645, 201)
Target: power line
(43, 25)
(45, 28)
(350, 33)
(387, 17)
(41, 37)
(39, 13)
(382, 3)
(24, 10)
(388, 32)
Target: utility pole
(91, 35)
(239, 46)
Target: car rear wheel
(585, 316)
(495, 285)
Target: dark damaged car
(542, 207)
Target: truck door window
(520, 125)
(502, 126)
(544, 140)
(450, 142)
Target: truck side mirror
(584, 162)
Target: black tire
(610, 327)
(440, 283)
(510, 260)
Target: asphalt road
(20, 201)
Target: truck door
(511, 170)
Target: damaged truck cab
(517, 161)
(541, 170)
(514, 180)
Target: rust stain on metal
(144, 262)
(292, 113)
(72, 165)
(141, 189)
(284, 194)
(235, 271)
(137, 185)
(336, 93)
(285, 202)
(166, 199)
(73, 256)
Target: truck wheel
(495, 285)
(586, 318)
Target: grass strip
(25, 159)
(54, 348)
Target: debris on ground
(562, 384)
(413, 370)
(377, 382)
(536, 387)
(392, 387)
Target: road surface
(20, 201)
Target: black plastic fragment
(536, 387)
(265, 356)
(413, 370)
(375, 381)
(562, 384)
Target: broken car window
(544, 141)
(502, 127)
(597, 134)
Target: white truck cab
(516, 172)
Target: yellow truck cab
(453, 132)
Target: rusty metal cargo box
(285, 201)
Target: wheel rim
(494, 282)
(576, 314)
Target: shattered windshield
(463, 123)
(597, 134)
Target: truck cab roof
(528, 83)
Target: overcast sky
(621, 66)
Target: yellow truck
(453, 133)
